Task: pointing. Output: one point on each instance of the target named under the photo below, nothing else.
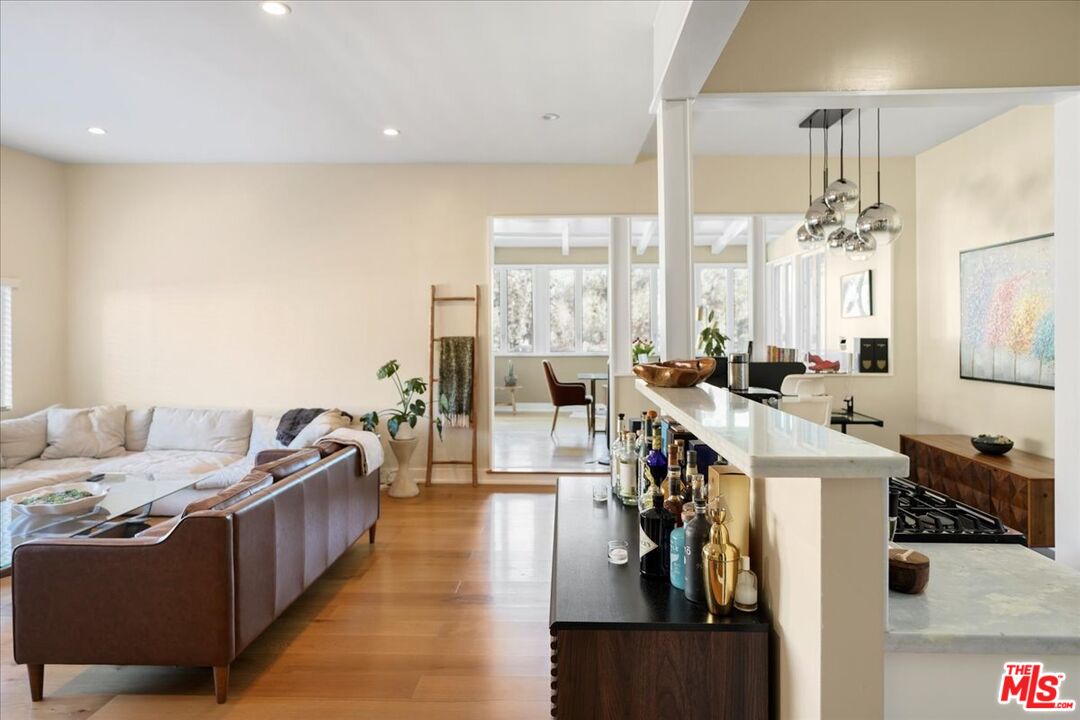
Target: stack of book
(774, 353)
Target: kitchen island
(818, 529)
(985, 605)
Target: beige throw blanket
(371, 451)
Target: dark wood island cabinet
(624, 646)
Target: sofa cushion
(264, 434)
(227, 431)
(95, 432)
(137, 429)
(226, 476)
(252, 483)
(24, 438)
(290, 464)
(320, 427)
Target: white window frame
(7, 338)
(777, 335)
(542, 309)
(729, 319)
(811, 273)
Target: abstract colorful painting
(1007, 312)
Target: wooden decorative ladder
(433, 405)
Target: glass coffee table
(128, 500)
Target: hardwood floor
(524, 443)
(444, 617)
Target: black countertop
(589, 592)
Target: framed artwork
(856, 295)
(1007, 312)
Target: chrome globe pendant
(842, 194)
(860, 247)
(821, 220)
(809, 234)
(838, 239)
(880, 221)
(857, 246)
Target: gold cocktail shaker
(720, 563)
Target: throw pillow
(224, 431)
(137, 429)
(24, 438)
(264, 434)
(320, 427)
(96, 432)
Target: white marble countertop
(988, 598)
(766, 442)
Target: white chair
(787, 387)
(817, 409)
(810, 387)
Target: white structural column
(619, 296)
(755, 260)
(1067, 330)
(675, 195)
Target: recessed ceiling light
(550, 116)
(391, 132)
(96, 131)
(274, 7)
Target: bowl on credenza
(676, 373)
(992, 444)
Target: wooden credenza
(1018, 487)
(624, 646)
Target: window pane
(641, 303)
(561, 295)
(740, 299)
(594, 310)
(519, 310)
(714, 296)
(496, 311)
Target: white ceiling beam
(707, 102)
(647, 236)
(732, 232)
(688, 37)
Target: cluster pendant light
(878, 224)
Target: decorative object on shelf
(402, 420)
(1007, 312)
(511, 379)
(857, 295)
(642, 349)
(880, 222)
(721, 565)
(711, 340)
(873, 355)
(909, 570)
(992, 444)
(676, 373)
(818, 364)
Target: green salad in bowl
(56, 498)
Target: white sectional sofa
(64, 445)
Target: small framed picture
(856, 295)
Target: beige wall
(893, 45)
(992, 184)
(33, 251)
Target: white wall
(33, 251)
(991, 184)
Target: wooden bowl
(676, 373)
(992, 444)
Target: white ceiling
(905, 131)
(226, 82)
(716, 231)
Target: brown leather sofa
(198, 591)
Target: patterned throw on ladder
(456, 379)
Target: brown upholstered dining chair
(567, 395)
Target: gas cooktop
(929, 516)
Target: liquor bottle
(697, 535)
(690, 476)
(680, 453)
(643, 445)
(654, 539)
(628, 488)
(655, 467)
(678, 549)
(673, 499)
(721, 561)
(618, 440)
(672, 464)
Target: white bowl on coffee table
(97, 494)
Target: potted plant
(642, 349)
(711, 340)
(511, 379)
(401, 421)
